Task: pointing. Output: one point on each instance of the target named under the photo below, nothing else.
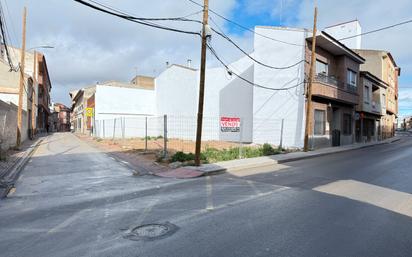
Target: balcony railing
(326, 79)
(331, 88)
(332, 81)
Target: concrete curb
(14, 172)
(233, 165)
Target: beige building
(382, 65)
(371, 108)
(144, 82)
(36, 69)
(79, 103)
(9, 96)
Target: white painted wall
(177, 90)
(347, 29)
(261, 111)
(129, 106)
(270, 107)
(115, 102)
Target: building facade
(371, 108)
(111, 100)
(9, 95)
(37, 75)
(59, 119)
(260, 110)
(334, 92)
(383, 66)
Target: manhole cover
(151, 231)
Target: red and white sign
(229, 124)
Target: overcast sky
(91, 46)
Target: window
(321, 68)
(347, 124)
(383, 100)
(351, 79)
(319, 122)
(366, 95)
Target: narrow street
(73, 200)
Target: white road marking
(67, 222)
(209, 204)
(252, 185)
(393, 200)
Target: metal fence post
(145, 134)
(240, 138)
(165, 136)
(114, 128)
(123, 126)
(281, 135)
(104, 129)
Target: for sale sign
(229, 124)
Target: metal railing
(169, 134)
(323, 78)
(332, 81)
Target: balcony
(376, 107)
(330, 88)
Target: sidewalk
(137, 162)
(143, 166)
(265, 161)
(14, 163)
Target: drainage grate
(151, 231)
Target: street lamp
(43, 47)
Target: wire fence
(171, 134)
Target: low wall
(8, 125)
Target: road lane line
(252, 185)
(67, 222)
(209, 204)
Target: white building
(119, 108)
(116, 99)
(347, 29)
(261, 110)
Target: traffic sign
(89, 112)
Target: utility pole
(22, 60)
(308, 125)
(202, 84)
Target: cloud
(371, 15)
(91, 46)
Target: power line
(244, 27)
(223, 35)
(13, 51)
(377, 30)
(183, 18)
(4, 40)
(212, 50)
(135, 19)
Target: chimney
(189, 63)
(167, 64)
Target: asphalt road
(73, 200)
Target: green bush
(182, 157)
(267, 149)
(214, 155)
(152, 138)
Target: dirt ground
(173, 145)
